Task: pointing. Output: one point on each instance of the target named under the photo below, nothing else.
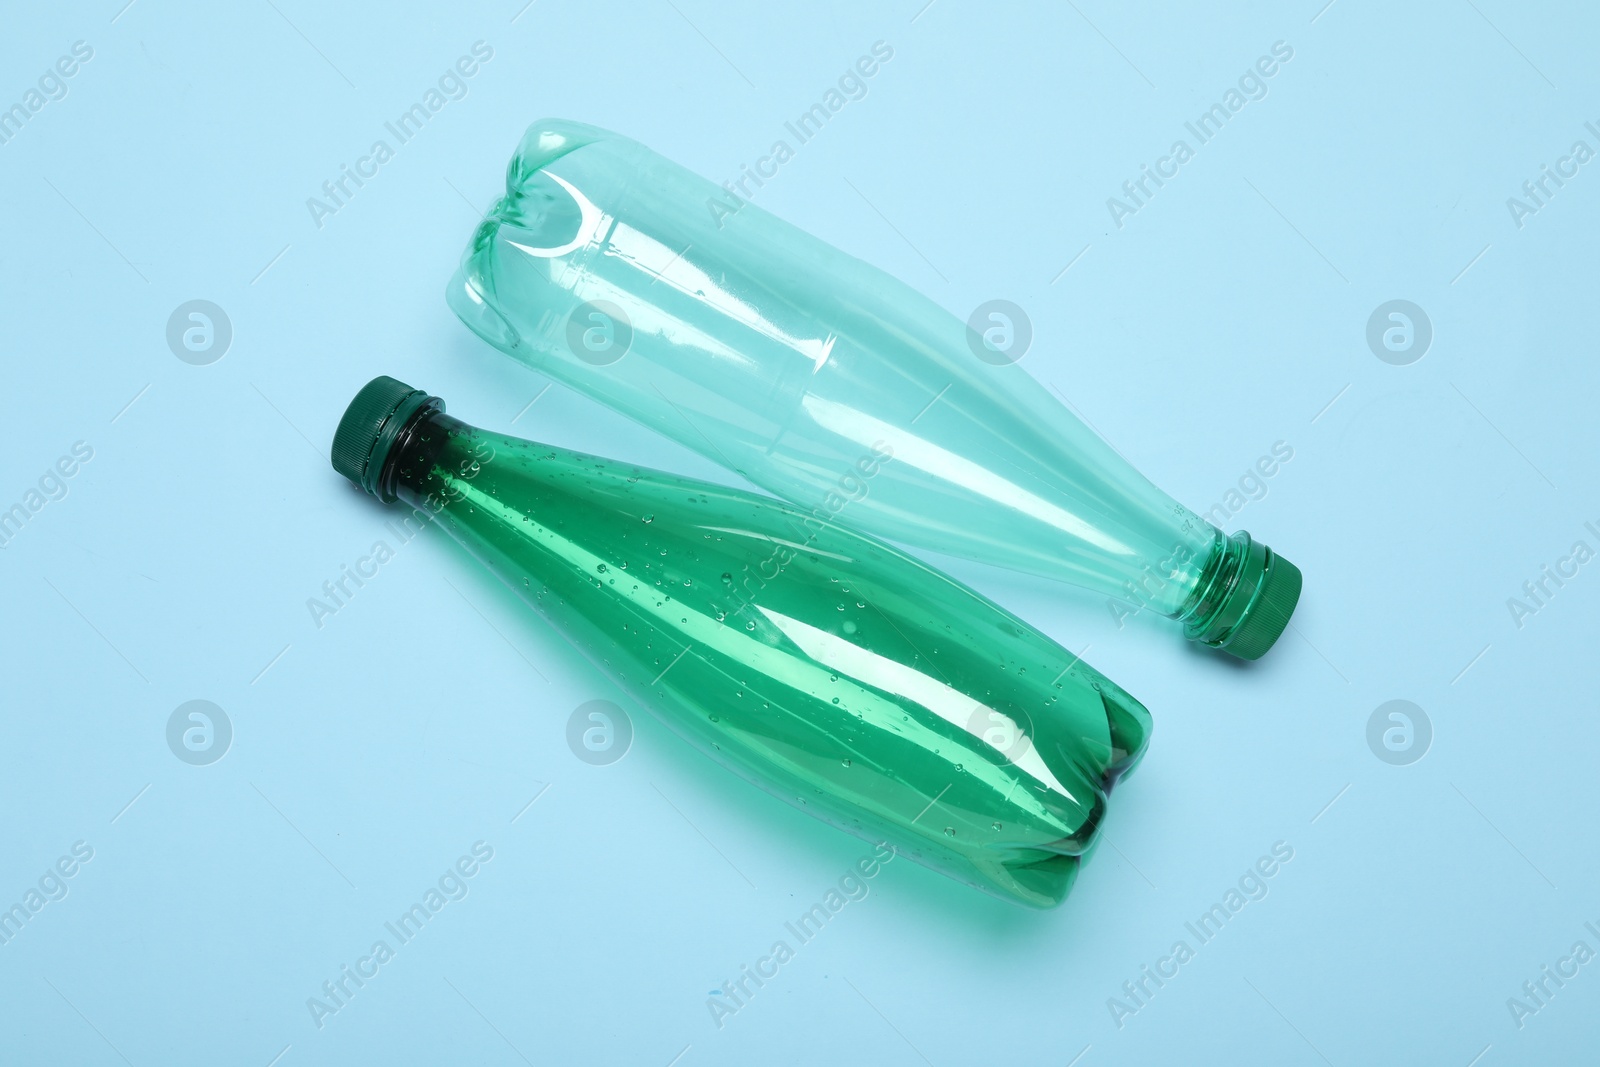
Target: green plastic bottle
(830, 668)
(685, 306)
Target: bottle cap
(1245, 600)
(369, 428)
(1267, 614)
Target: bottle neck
(407, 468)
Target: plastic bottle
(834, 670)
(673, 300)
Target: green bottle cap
(369, 428)
(1245, 603)
(1267, 614)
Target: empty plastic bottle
(677, 302)
(832, 669)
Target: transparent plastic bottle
(834, 670)
(668, 298)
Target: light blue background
(1227, 315)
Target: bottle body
(672, 300)
(829, 668)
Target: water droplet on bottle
(601, 568)
(727, 579)
(949, 831)
(997, 826)
(750, 625)
(836, 700)
(849, 626)
(715, 719)
(847, 763)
